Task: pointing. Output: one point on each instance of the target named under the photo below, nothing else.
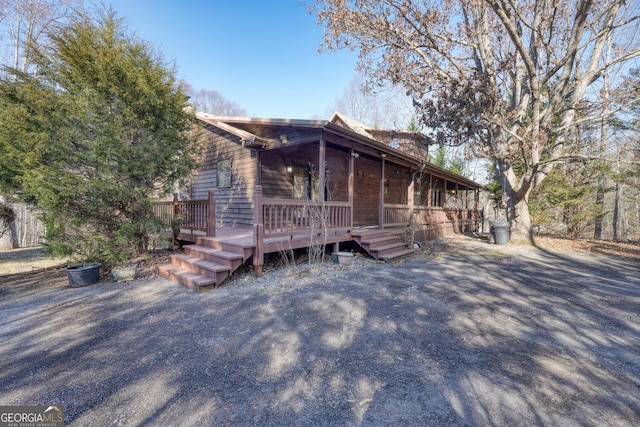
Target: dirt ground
(461, 333)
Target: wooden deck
(245, 238)
(208, 262)
(281, 225)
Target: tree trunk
(516, 203)
(8, 232)
(616, 212)
(517, 213)
(597, 232)
(518, 216)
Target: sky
(262, 55)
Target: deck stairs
(382, 244)
(206, 264)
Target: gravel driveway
(473, 335)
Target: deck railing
(395, 215)
(164, 211)
(398, 215)
(193, 213)
(286, 217)
(189, 215)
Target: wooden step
(231, 259)
(379, 240)
(187, 278)
(369, 234)
(200, 266)
(382, 244)
(217, 243)
(207, 263)
(397, 254)
(388, 248)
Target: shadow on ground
(467, 338)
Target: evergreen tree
(565, 203)
(439, 158)
(449, 161)
(91, 134)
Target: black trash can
(499, 232)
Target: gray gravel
(462, 334)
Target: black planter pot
(83, 274)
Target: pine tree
(91, 134)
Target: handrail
(282, 217)
(279, 217)
(193, 215)
(395, 215)
(400, 215)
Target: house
(267, 185)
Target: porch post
(430, 192)
(322, 190)
(410, 190)
(258, 232)
(381, 201)
(211, 220)
(174, 215)
(410, 198)
(322, 170)
(476, 200)
(352, 162)
(444, 193)
(458, 211)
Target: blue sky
(263, 55)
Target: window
(224, 173)
(394, 143)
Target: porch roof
(248, 130)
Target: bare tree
(212, 102)
(28, 22)
(512, 78)
(386, 108)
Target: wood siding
(399, 178)
(234, 205)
